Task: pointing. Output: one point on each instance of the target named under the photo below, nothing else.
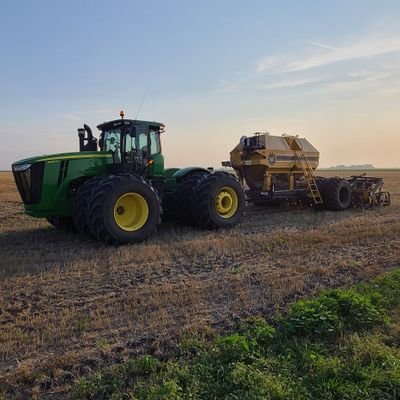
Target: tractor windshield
(112, 142)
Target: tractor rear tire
(336, 194)
(218, 201)
(183, 199)
(64, 223)
(80, 204)
(123, 208)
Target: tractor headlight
(21, 167)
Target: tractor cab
(135, 145)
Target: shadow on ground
(43, 247)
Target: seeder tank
(269, 162)
(282, 168)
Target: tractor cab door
(136, 154)
(143, 150)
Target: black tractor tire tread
(183, 199)
(321, 183)
(80, 204)
(331, 197)
(98, 197)
(203, 211)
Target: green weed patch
(341, 345)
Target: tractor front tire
(337, 194)
(123, 208)
(183, 199)
(218, 201)
(80, 204)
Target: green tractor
(119, 193)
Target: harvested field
(69, 304)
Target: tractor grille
(29, 183)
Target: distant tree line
(361, 166)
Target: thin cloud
(290, 83)
(390, 91)
(268, 63)
(369, 76)
(323, 46)
(226, 86)
(367, 47)
(362, 80)
(293, 70)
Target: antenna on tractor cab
(140, 107)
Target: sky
(212, 71)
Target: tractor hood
(45, 182)
(63, 156)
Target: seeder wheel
(383, 199)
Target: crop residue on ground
(69, 304)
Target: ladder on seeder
(310, 178)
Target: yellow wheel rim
(226, 202)
(131, 211)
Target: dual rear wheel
(121, 208)
(210, 200)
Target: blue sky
(212, 71)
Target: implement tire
(218, 201)
(123, 208)
(80, 204)
(183, 199)
(337, 194)
(64, 223)
(321, 184)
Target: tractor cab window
(155, 142)
(136, 142)
(140, 142)
(112, 142)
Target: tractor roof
(128, 122)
